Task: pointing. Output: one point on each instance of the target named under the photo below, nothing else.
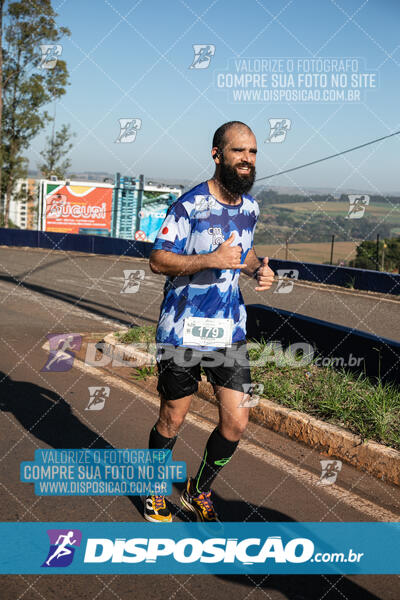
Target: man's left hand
(265, 276)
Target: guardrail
(360, 279)
(380, 357)
(94, 244)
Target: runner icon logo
(132, 280)
(128, 130)
(357, 206)
(63, 543)
(286, 279)
(278, 130)
(50, 53)
(98, 396)
(62, 348)
(202, 56)
(203, 206)
(251, 394)
(330, 470)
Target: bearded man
(204, 243)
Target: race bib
(200, 331)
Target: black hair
(218, 139)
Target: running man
(62, 549)
(204, 243)
(62, 351)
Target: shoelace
(159, 502)
(205, 502)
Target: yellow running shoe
(156, 510)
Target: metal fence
(360, 279)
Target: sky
(136, 60)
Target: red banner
(72, 208)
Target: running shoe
(156, 510)
(201, 504)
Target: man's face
(237, 161)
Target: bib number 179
(208, 332)
(200, 331)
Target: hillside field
(318, 252)
(387, 212)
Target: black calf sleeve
(159, 442)
(218, 452)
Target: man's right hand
(227, 256)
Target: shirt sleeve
(256, 215)
(174, 231)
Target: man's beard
(233, 182)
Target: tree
(366, 255)
(1, 89)
(13, 169)
(26, 86)
(392, 254)
(58, 146)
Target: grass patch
(142, 373)
(351, 283)
(369, 410)
(145, 333)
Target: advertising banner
(154, 209)
(195, 548)
(77, 208)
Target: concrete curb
(143, 357)
(378, 460)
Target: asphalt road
(95, 283)
(270, 478)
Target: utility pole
(377, 252)
(139, 199)
(286, 248)
(383, 257)
(332, 243)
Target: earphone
(217, 154)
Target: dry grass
(341, 209)
(318, 252)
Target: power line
(314, 162)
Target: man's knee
(172, 416)
(173, 421)
(234, 427)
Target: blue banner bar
(215, 548)
(111, 472)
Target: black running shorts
(179, 369)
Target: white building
(24, 204)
